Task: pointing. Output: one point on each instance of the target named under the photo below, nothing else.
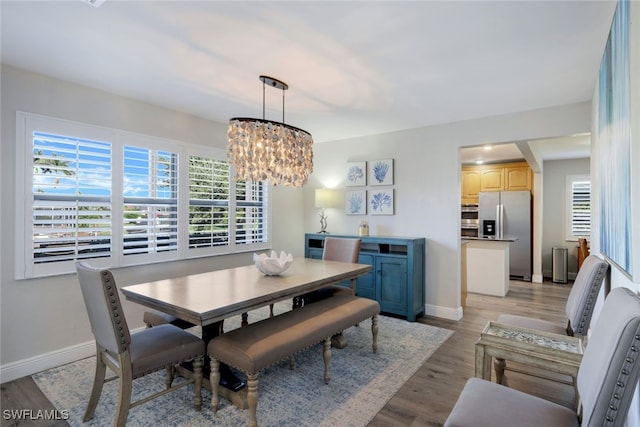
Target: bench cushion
(261, 344)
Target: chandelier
(262, 149)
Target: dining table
(207, 299)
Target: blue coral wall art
(381, 172)
(356, 202)
(381, 202)
(356, 174)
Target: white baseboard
(537, 278)
(443, 312)
(22, 368)
(32, 365)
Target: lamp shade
(326, 198)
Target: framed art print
(614, 144)
(381, 202)
(356, 202)
(381, 172)
(356, 174)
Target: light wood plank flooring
(427, 398)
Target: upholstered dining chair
(579, 309)
(342, 249)
(607, 380)
(131, 355)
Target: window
(150, 194)
(124, 199)
(578, 206)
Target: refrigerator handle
(499, 221)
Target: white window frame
(27, 123)
(570, 236)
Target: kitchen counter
(486, 266)
(492, 239)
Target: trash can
(559, 264)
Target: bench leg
(374, 332)
(214, 380)
(252, 399)
(326, 356)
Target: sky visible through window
(76, 166)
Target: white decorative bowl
(274, 264)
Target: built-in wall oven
(469, 220)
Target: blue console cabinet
(396, 280)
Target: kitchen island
(486, 265)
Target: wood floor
(427, 398)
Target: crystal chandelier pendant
(262, 149)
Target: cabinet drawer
(314, 253)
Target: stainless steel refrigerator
(507, 214)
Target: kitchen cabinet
(517, 178)
(496, 177)
(470, 186)
(396, 280)
(491, 179)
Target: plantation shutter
(208, 202)
(150, 214)
(581, 208)
(251, 212)
(71, 193)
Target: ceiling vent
(94, 3)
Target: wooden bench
(262, 344)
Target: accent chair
(606, 382)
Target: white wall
(554, 209)
(43, 321)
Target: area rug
(361, 383)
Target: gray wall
(554, 202)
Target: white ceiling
(568, 147)
(354, 68)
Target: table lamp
(325, 198)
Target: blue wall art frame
(381, 172)
(355, 202)
(614, 142)
(381, 201)
(356, 174)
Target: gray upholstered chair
(607, 380)
(342, 249)
(579, 308)
(132, 355)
